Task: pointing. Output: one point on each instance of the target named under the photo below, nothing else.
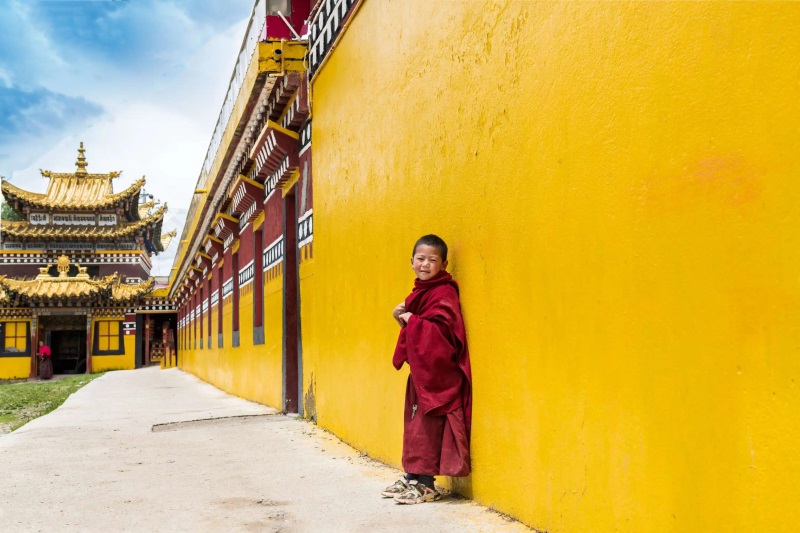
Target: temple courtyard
(160, 450)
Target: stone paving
(159, 450)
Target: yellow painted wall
(619, 186)
(126, 361)
(248, 371)
(15, 367)
(308, 360)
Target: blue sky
(141, 82)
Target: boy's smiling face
(427, 262)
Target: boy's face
(427, 262)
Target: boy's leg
(411, 477)
(427, 481)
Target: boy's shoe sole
(428, 496)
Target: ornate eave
(47, 289)
(26, 230)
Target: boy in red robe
(438, 405)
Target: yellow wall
(308, 360)
(248, 371)
(126, 361)
(15, 367)
(618, 184)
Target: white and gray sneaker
(418, 493)
(397, 488)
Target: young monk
(438, 404)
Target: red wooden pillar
(147, 340)
(34, 340)
(89, 344)
(291, 375)
(235, 298)
(202, 314)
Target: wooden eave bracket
(245, 192)
(225, 225)
(213, 245)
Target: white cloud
(155, 126)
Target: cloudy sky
(141, 82)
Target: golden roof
(77, 190)
(25, 230)
(45, 286)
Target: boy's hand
(404, 317)
(399, 310)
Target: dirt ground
(159, 450)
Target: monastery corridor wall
(618, 182)
(249, 371)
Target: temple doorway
(158, 338)
(66, 337)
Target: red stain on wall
(728, 180)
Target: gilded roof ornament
(81, 162)
(167, 238)
(62, 264)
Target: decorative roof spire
(81, 162)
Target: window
(284, 6)
(108, 338)
(15, 338)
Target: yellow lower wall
(250, 371)
(618, 184)
(15, 367)
(126, 361)
(308, 361)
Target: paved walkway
(131, 452)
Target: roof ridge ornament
(81, 163)
(62, 265)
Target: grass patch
(22, 402)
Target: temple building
(76, 274)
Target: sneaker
(398, 488)
(417, 493)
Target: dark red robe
(45, 363)
(434, 344)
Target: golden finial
(81, 162)
(62, 264)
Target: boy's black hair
(432, 240)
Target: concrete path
(131, 452)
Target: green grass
(22, 402)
